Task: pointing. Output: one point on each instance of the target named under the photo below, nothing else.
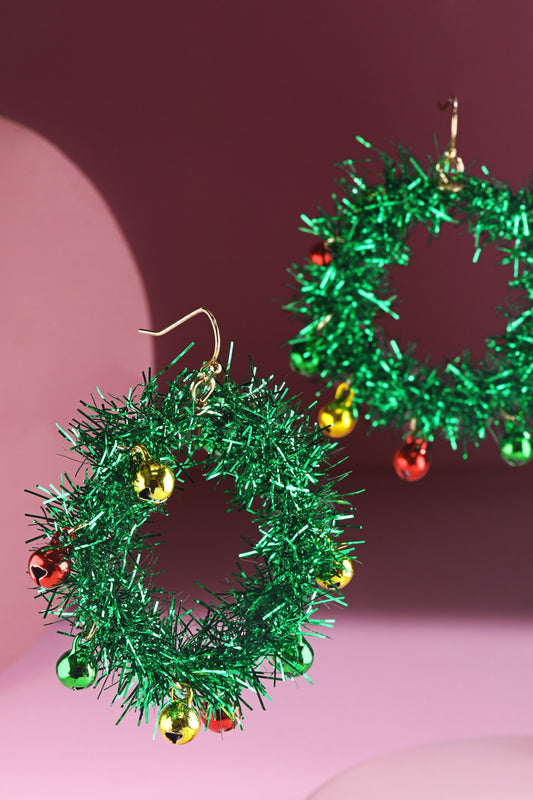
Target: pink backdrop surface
(191, 136)
(380, 685)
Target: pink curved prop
(71, 301)
(496, 768)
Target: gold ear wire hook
(454, 103)
(212, 320)
(209, 369)
(450, 162)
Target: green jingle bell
(516, 448)
(75, 668)
(297, 658)
(304, 360)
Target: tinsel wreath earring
(342, 293)
(139, 642)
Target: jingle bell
(338, 418)
(179, 721)
(413, 460)
(296, 659)
(339, 577)
(75, 669)
(153, 482)
(516, 448)
(48, 566)
(303, 359)
(320, 255)
(219, 720)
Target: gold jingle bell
(153, 482)
(179, 721)
(339, 577)
(338, 418)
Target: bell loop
(183, 688)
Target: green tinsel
(367, 234)
(146, 639)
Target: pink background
(193, 136)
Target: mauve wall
(209, 127)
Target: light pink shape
(71, 301)
(488, 769)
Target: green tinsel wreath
(140, 639)
(343, 294)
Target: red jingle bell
(412, 461)
(219, 720)
(48, 567)
(320, 255)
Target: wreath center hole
(201, 540)
(447, 304)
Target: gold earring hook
(209, 369)
(212, 320)
(450, 163)
(454, 103)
